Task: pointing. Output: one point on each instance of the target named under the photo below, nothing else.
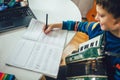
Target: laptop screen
(10, 4)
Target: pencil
(46, 21)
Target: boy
(108, 17)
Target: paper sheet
(39, 52)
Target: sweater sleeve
(92, 29)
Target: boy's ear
(118, 24)
(118, 21)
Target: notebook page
(39, 52)
(34, 30)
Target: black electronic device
(14, 14)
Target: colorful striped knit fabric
(5, 76)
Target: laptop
(14, 14)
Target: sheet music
(94, 42)
(39, 52)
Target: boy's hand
(48, 29)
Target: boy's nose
(96, 18)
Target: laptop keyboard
(15, 18)
(15, 14)
(23, 12)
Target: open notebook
(39, 52)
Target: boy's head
(111, 6)
(108, 15)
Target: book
(37, 51)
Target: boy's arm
(90, 28)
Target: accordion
(87, 65)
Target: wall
(84, 6)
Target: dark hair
(111, 6)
